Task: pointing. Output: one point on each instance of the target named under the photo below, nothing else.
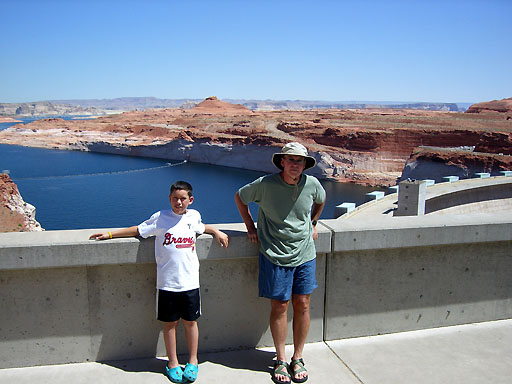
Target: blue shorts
(279, 283)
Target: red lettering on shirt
(181, 242)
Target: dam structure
(66, 300)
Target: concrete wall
(64, 298)
(411, 273)
(461, 197)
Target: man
(290, 203)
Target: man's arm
(316, 211)
(247, 218)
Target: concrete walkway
(474, 353)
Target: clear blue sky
(401, 50)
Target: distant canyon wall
(44, 108)
(367, 158)
(105, 106)
(255, 157)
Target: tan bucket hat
(293, 149)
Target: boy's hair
(182, 185)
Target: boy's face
(180, 200)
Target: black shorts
(172, 306)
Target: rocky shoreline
(15, 214)
(9, 120)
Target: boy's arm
(247, 218)
(221, 237)
(125, 232)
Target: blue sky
(401, 50)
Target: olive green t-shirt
(284, 224)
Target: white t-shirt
(175, 248)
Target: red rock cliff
(501, 107)
(15, 214)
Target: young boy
(177, 272)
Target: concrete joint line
(328, 257)
(343, 362)
(89, 311)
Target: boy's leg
(192, 336)
(170, 343)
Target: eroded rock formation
(15, 214)
(434, 163)
(501, 108)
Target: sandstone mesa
(496, 107)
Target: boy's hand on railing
(101, 236)
(222, 239)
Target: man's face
(293, 165)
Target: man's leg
(170, 343)
(278, 327)
(301, 321)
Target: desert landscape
(376, 147)
(366, 146)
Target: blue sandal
(190, 372)
(174, 374)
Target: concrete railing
(64, 298)
(412, 273)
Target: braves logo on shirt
(179, 242)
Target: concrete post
(375, 195)
(451, 179)
(393, 189)
(343, 208)
(411, 198)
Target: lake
(78, 190)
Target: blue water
(76, 190)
